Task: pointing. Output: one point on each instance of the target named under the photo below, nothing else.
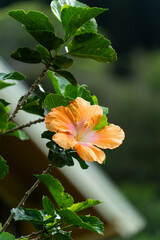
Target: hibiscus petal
(89, 153)
(84, 112)
(60, 119)
(64, 140)
(107, 137)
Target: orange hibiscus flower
(75, 125)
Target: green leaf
(82, 163)
(34, 104)
(94, 222)
(48, 206)
(4, 102)
(4, 84)
(59, 83)
(3, 117)
(63, 199)
(68, 76)
(103, 122)
(45, 55)
(0, 225)
(95, 100)
(3, 168)
(56, 6)
(92, 45)
(105, 110)
(26, 55)
(6, 236)
(88, 27)
(85, 94)
(62, 236)
(55, 100)
(62, 62)
(58, 156)
(13, 75)
(31, 215)
(87, 222)
(74, 17)
(18, 133)
(83, 205)
(47, 135)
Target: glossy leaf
(45, 55)
(88, 27)
(55, 100)
(103, 122)
(5, 84)
(3, 117)
(58, 156)
(68, 76)
(34, 104)
(13, 75)
(18, 133)
(87, 222)
(4, 102)
(62, 62)
(24, 214)
(6, 236)
(47, 135)
(3, 168)
(82, 163)
(26, 55)
(59, 83)
(83, 205)
(48, 206)
(92, 45)
(63, 199)
(74, 17)
(56, 6)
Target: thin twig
(33, 234)
(32, 88)
(23, 126)
(26, 195)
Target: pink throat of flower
(82, 129)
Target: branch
(32, 88)
(23, 126)
(26, 195)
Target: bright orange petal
(90, 153)
(60, 119)
(84, 112)
(64, 140)
(108, 137)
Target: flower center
(83, 128)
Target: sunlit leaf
(5, 84)
(6, 236)
(103, 122)
(55, 100)
(83, 205)
(59, 83)
(3, 117)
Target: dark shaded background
(130, 87)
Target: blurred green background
(130, 88)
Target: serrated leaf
(88, 27)
(87, 222)
(74, 17)
(105, 110)
(59, 83)
(6, 236)
(69, 76)
(62, 62)
(45, 55)
(4, 102)
(63, 199)
(85, 94)
(103, 122)
(18, 133)
(56, 6)
(58, 156)
(5, 84)
(48, 206)
(34, 105)
(24, 214)
(82, 163)
(3, 168)
(26, 55)
(83, 205)
(12, 75)
(92, 45)
(55, 100)
(94, 222)
(3, 117)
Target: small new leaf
(34, 105)
(63, 199)
(3, 168)
(83, 205)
